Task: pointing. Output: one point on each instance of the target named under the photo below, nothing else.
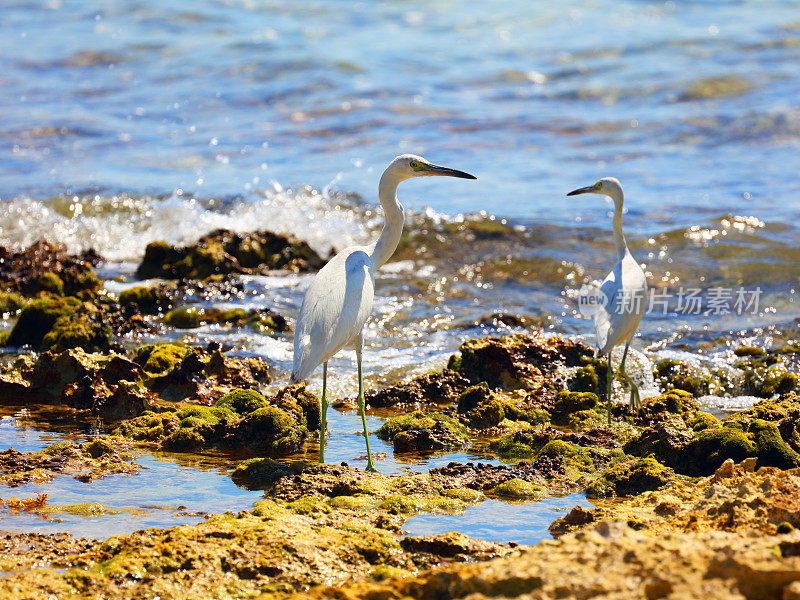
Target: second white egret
(622, 296)
(339, 300)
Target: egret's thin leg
(323, 409)
(623, 373)
(362, 401)
(635, 401)
(609, 385)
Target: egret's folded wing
(335, 308)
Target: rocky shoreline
(685, 502)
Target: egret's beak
(584, 190)
(437, 170)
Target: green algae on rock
(694, 443)
(157, 359)
(46, 267)
(11, 303)
(424, 432)
(519, 489)
(86, 462)
(481, 407)
(629, 478)
(116, 388)
(569, 403)
(518, 361)
(60, 324)
(259, 473)
(276, 426)
(149, 300)
(191, 317)
(672, 374)
(224, 252)
(242, 401)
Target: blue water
(498, 521)
(168, 490)
(536, 98)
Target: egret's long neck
(393, 220)
(619, 237)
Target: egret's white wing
(335, 308)
(625, 291)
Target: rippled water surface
(498, 521)
(129, 122)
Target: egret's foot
(636, 400)
(371, 468)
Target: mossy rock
(420, 431)
(571, 455)
(59, 448)
(50, 282)
(242, 401)
(675, 375)
(11, 302)
(183, 440)
(185, 317)
(81, 278)
(586, 379)
(149, 300)
(58, 324)
(519, 489)
(709, 448)
(481, 407)
(555, 448)
(198, 427)
(584, 420)
(38, 317)
(272, 430)
(523, 443)
(77, 331)
(703, 420)
(98, 448)
(221, 252)
(534, 416)
(568, 403)
(159, 358)
(454, 362)
(677, 402)
(259, 473)
(766, 381)
(148, 426)
(772, 450)
(213, 415)
(785, 407)
(627, 479)
(749, 351)
(297, 401)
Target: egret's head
(607, 186)
(407, 166)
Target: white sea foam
(119, 227)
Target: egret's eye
(414, 164)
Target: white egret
(339, 299)
(622, 296)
